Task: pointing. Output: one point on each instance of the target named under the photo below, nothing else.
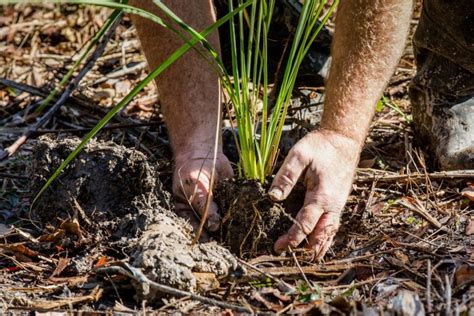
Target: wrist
(341, 140)
(196, 150)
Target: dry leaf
(102, 260)
(276, 293)
(402, 257)
(464, 275)
(269, 305)
(206, 281)
(62, 264)
(20, 248)
(72, 226)
(54, 237)
(367, 163)
(123, 86)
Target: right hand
(326, 160)
(191, 182)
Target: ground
(406, 233)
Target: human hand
(191, 182)
(327, 161)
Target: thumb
(288, 175)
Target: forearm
(189, 89)
(368, 42)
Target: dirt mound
(107, 185)
(117, 199)
(252, 222)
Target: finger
(305, 223)
(184, 211)
(199, 204)
(287, 176)
(320, 240)
(324, 248)
(195, 194)
(224, 170)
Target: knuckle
(306, 228)
(294, 238)
(293, 243)
(297, 152)
(286, 179)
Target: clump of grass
(260, 129)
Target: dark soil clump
(252, 222)
(115, 197)
(106, 185)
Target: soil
(252, 222)
(116, 198)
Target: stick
(12, 176)
(138, 276)
(268, 275)
(428, 288)
(9, 151)
(417, 177)
(120, 73)
(423, 213)
(448, 295)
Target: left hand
(327, 160)
(191, 183)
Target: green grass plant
(260, 129)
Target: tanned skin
(189, 93)
(368, 41)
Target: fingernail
(280, 245)
(275, 194)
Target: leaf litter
(406, 232)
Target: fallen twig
(12, 176)
(383, 177)
(88, 129)
(137, 275)
(94, 296)
(269, 275)
(120, 73)
(423, 213)
(428, 288)
(9, 151)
